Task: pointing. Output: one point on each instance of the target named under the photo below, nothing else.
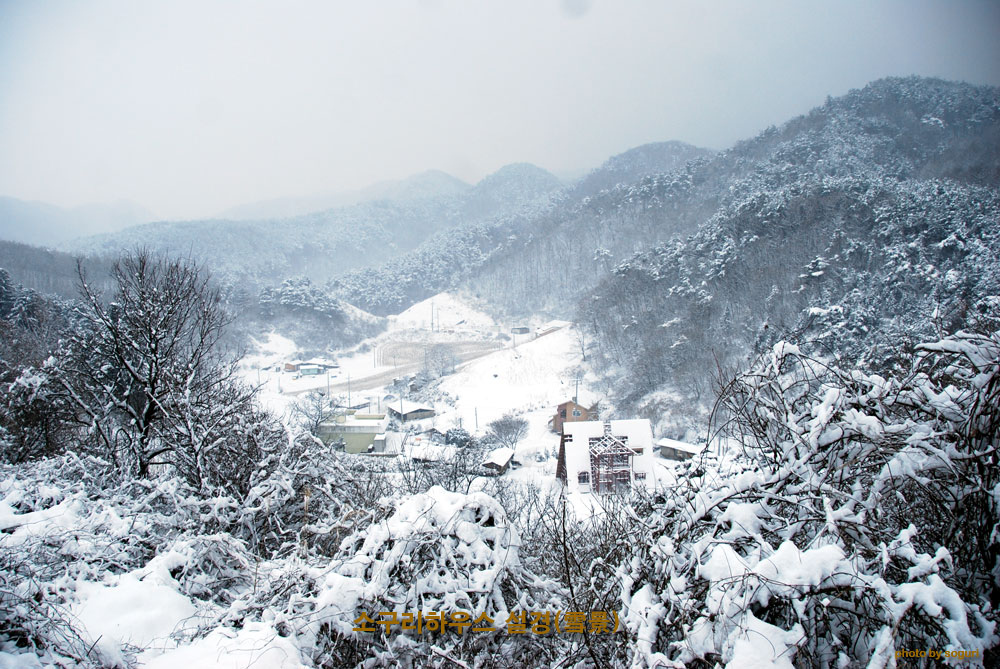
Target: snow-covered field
(367, 368)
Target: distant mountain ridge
(321, 245)
(636, 163)
(903, 128)
(563, 235)
(429, 184)
(44, 224)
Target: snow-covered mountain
(462, 253)
(634, 164)
(324, 244)
(862, 228)
(46, 271)
(781, 232)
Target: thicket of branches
(858, 518)
(853, 515)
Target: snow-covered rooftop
(429, 452)
(499, 457)
(637, 430)
(374, 422)
(684, 447)
(405, 406)
(321, 362)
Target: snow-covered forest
(817, 309)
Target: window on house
(577, 413)
(637, 451)
(639, 476)
(583, 478)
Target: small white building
(671, 449)
(357, 431)
(388, 443)
(606, 456)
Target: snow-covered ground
(445, 311)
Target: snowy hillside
(462, 256)
(642, 161)
(848, 231)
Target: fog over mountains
(432, 183)
(47, 225)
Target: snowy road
(407, 358)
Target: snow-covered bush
(438, 551)
(77, 543)
(856, 517)
(34, 417)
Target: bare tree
(507, 431)
(313, 408)
(440, 360)
(149, 377)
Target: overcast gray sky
(191, 107)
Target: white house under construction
(606, 456)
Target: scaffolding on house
(610, 462)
